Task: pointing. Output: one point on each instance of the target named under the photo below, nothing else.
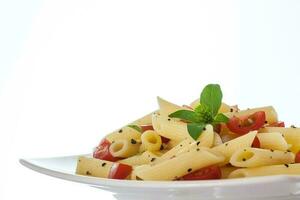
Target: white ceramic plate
(271, 187)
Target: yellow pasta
(217, 140)
(226, 170)
(254, 157)
(124, 148)
(290, 169)
(166, 107)
(141, 159)
(151, 140)
(291, 135)
(125, 133)
(93, 167)
(179, 166)
(229, 148)
(273, 141)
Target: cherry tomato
(146, 127)
(245, 124)
(256, 143)
(102, 151)
(119, 171)
(297, 158)
(211, 172)
(276, 124)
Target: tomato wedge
(276, 124)
(297, 158)
(207, 173)
(102, 151)
(245, 124)
(256, 143)
(119, 171)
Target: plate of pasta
(204, 150)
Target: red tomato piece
(297, 158)
(102, 151)
(206, 173)
(276, 124)
(119, 171)
(164, 139)
(256, 143)
(245, 124)
(146, 127)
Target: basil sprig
(135, 127)
(205, 113)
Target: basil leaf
(220, 118)
(211, 97)
(187, 115)
(195, 129)
(135, 127)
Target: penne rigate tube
(124, 148)
(93, 167)
(271, 114)
(254, 157)
(166, 107)
(206, 139)
(145, 158)
(125, 133)
(169, 127)
(288, 169)
(227, 149)
(291, 135)
(151, 140)
(273, 140)
(179, 166)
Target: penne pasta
(254, 157)
(93, 167)
(291, 135)
(151, 141)
(125, 133)
(289, 169)
(273, 141)
(166, 107)
(227, 149)
(141, 159)
(124, 148)
(185, 163)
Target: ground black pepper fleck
(204, 129)
(244, 159)
(286, 165)
(169, 119)
(133, 141)
(231, 109)
(189, 170)
(161, 147)
(198, 149)
(152, 159)
(103, 164)
(88, 173)
(271, 150)
(226, 144)
(198, 143)
(120, 131)
(266, 122)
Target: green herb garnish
(135, 127)
(205, 113)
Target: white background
(71, 71)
